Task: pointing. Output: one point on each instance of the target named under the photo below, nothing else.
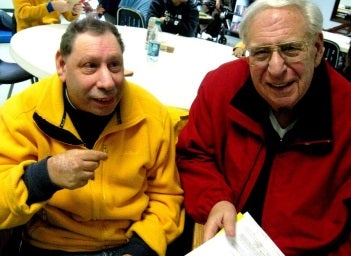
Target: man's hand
(61, 6)
(77, 9)
(223, 214)
(99, 9)
(74, 168)
(87, 7)
(239, 52)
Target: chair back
(11, 73)
(6, 35)
(332, 53)
(130, 17)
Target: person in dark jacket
(177, 16)
(109, 8)
(270, 134)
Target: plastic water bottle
(150, 26)
(154, 44)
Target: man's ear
(319, 44)
(60, 66)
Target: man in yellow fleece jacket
(87, 159)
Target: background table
(173, 79)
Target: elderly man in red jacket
(271, 134)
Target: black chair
(332, 53)
(12, 73)
(130, 17)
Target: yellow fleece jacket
(137, 189)
(30, 13)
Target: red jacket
(222, 150)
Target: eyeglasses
(291, 52)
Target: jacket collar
(50, 115)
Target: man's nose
(106, 79)
(276, 64)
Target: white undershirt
(276, 126)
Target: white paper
(250, 239)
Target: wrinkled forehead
(277, 25)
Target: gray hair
(311, 12)
(88, 24)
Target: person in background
(270, 135)
(212, 8)
(109, 8)
(42, 12)
(5, 21)
(87, 159)
(209, 6)
(141, 5)
(177, 16)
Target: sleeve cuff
(37, 180)
(49, 7)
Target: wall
(6, 4)
(326, 7)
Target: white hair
(311, 12)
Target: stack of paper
(250, 239)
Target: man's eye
(89, 67)
(261, 53)
(115, 66)
(290, 50)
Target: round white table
(173, 79)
